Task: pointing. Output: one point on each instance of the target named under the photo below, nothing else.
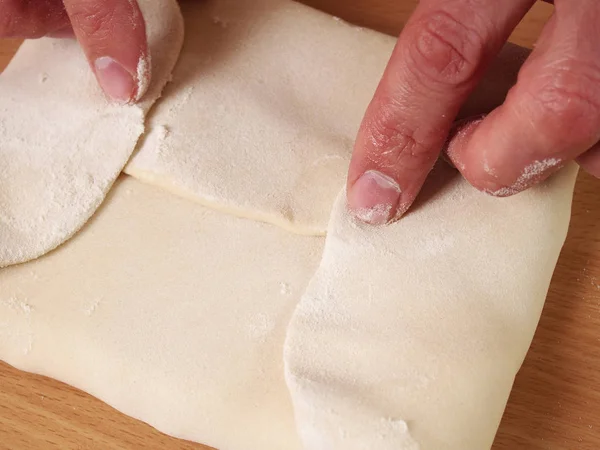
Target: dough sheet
(201, 296)
(410, 336)
(263, 110)
(168, 311)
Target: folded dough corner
(62, 144)
(196, 291)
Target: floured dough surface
(170, 312)
(263, 110)
(176, 313)
(410, 336)
(62, 144)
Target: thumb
(113, 36)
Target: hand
(111, 32)
(551, 115)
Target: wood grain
(555, 403)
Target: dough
(263, 110)
(170, 312)
(262, 114)
(62, 144)
(176, 314)
(409, 336)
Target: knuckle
(445, 50)
(93, 19)
(570, 100)
(394, 143)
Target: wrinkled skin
(551, 116)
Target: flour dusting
(15, 304)
(530, 174)
(375, 215)
(398, 425)
(284, 289)
(143, 75)
(260, 327)
(437, 245)
(92, 307)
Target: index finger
(113, 36)
(438, 60)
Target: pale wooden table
(555, 403)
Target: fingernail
(373, 198)
(115, 81)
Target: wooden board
(555, 403)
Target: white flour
(532, 173)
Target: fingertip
(113, 36)
(497, 176)
(374, 197)
(471, 162)
(530, 175)
(590, 161)
(116, 82)
(458, 139)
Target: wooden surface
(555, 403)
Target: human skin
(551, 116)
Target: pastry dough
(168, 311)
(410, 336)
(264, 107)
(62, 144)
(176, 314)
(263, 110)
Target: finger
(490, 92)
(440, 55)
(590, 161)
(551, 116)
(500, 76)
(26, 19)
(113, 36)
(66, 32)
